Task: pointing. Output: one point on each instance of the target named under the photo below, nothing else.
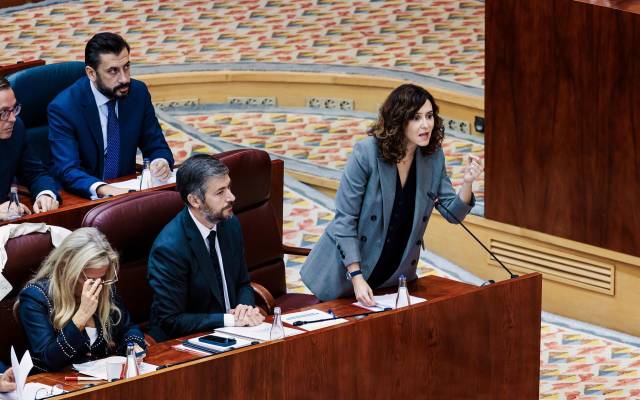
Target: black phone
(217, 340)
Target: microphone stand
(437, 203)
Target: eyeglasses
(6, 113)
(44, 393)
(104, 283)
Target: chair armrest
(149, 340)
(296, 251)
(264, 298)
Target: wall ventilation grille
(555, 265)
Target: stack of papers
(261, 332)
(26, 391)
(312, 315)
(98, 368)
(388, 301)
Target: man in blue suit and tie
(17, 160)
(97, 124)
(197, 268)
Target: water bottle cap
(402, 277)
(276, 310)
(130, 344)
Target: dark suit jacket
(75, 135)
(2, 367)
(186, 298)
(17, 160)
(52, 350)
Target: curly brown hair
(398, 109)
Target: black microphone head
(432, 196)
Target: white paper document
(388, 301)
(312, 315)
(33, 391)
(261, 332)
(134, 184)
(98, 368)
(26, 391)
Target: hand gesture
(362, 291)
(45, 203)
(109, 190)
(160, 169)
(7, 381)
(7, 206)
(473, 169)
(88, 302)
(245, 315)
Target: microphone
(437, 203)
(364, 314)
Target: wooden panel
(19, 66)
(13, 3)
(462, 344)
(562, 148)
(625, 5)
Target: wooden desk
(73, 208)
(466, 342)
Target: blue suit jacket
(51, 349)
(2, 367)
(363, 211)
(17, 160)
(186, 297)
(75, 135)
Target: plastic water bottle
(14, 211)
(145, 180)
(402, 298)
(277, 330)
(131, 365)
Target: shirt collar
(204, 231)
(101, 99)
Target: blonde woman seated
(69, 310)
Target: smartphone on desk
(217, 340)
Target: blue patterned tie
(111, 161)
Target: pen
(81, 378)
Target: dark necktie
(111, 161)
(214, 261)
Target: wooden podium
(466, 342)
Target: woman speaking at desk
(69, 310)
(382, 205)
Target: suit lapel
(424, 171)
(205, 270)
(388, 175)
(93, 119)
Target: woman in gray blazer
(382, 207)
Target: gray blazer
(363, 209)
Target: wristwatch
(351, 275)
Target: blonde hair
(85, 248)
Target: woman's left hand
(473, 169)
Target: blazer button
(419, 242)
(424, 219)
(373, 218)
(413, 262)
(339, 248)
(363, 238)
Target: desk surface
(73, 208)
(478, 329)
